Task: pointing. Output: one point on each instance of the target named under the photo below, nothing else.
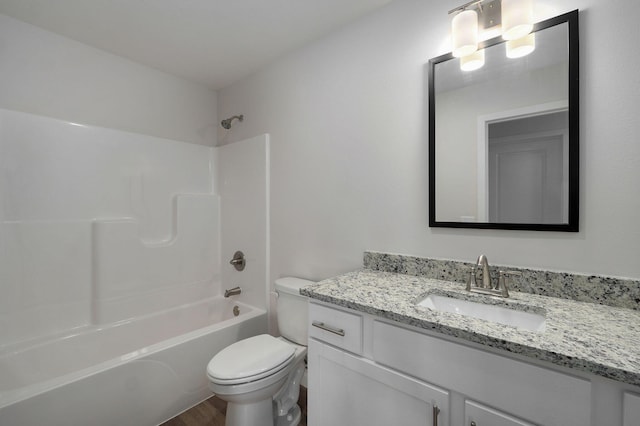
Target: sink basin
(525, 320)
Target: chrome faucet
(232, 291)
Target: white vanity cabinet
(345, 389)
(348, 389)
(367, 371)
(512, 388)
(631, 409)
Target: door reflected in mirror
(528, 170)
(503, 139)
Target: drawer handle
(436, 411)
(324, 327)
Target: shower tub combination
(133, 372)
(155, 321)
(110, 272)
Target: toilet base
(292, 418)
(258, 413)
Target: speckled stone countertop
(598, 339)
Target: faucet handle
(471, 280)
(503, 281)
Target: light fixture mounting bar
(489, 12)
(465, 6)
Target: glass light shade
(517, 18)
(521, 47)
(464, 33)
(472, 62)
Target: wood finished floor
(212, 413)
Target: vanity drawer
(530, 392)
(336, 327)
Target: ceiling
(213, 42)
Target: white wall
(47, 74)
(348, 123)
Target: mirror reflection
(501, 137)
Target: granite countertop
(598, 339)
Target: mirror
(503, 139)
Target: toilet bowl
(259, 377)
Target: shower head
(227, 123)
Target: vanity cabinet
(348, 389)
(368, 371)
(631, 409)
(516, 388)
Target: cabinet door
(479, 415)
(530, 392)
(345, 389)
(631, 407)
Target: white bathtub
(138, 372)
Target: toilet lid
(255, 356)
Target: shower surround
(100, 228)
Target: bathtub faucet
(232, 291)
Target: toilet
(259, 377)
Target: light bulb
(517, 18)
(521, 47)
(472, 62)
(464, 33)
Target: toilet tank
(292, 309)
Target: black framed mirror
(504, 139)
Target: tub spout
(232, 291)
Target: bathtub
(135, 372)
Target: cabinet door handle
(473, 423)
(436, 411)
(322, 326)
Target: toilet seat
(249, 360)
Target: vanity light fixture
(521, 47)
(483, 19)
(472, 62)
(517, 18)
(464, 33)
